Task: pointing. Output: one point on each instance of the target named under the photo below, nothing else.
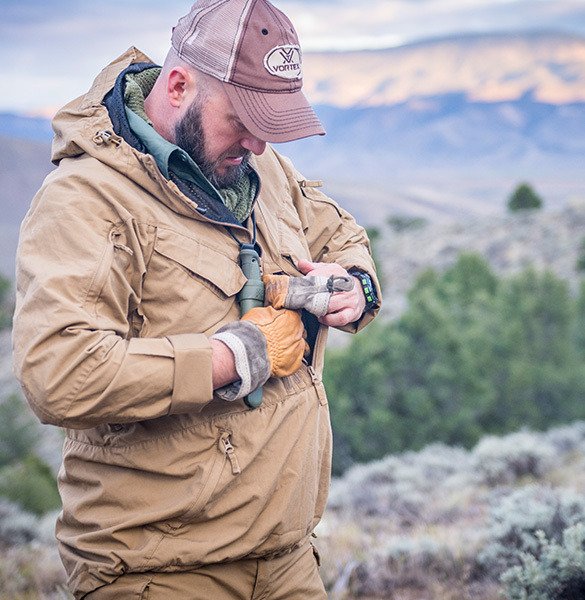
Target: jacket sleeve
(332, 234)
(80, 366)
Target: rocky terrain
(552, 240)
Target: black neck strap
(243, 245)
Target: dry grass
(433, 554)
(409, 527)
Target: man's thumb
(305, 266)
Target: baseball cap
(253, 48)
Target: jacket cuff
(192, 382)
(369, 314)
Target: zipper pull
(318, 383)
(230, 453)
(114, 236)
(305, 183)
(104, 136)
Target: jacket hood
(84, 127)
(76, 124)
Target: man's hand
(265, 342)
(344, 307)
(223, 365)
(306, 292)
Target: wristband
(367, 288)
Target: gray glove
(309, 292)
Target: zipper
(228, 449)
(119, 246)
(318, 383)
(105, 265)
(103, 269)
(226, 452)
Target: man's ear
(179, 83)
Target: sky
(51, 50)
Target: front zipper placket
(317, 381)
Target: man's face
(213, 136)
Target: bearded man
(196, 462)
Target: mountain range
(484, 67)
(448, 127)
(442, 129)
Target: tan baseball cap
(253, 48)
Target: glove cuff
(248, 345)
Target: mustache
(238, 152)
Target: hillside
(445, 157)
(445, 129)
(551, 240)
(23, 166)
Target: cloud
(51, 51)
(339, 24)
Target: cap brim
(281, 117)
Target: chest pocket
(190, 286)
(293, 245)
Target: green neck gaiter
(238, 197)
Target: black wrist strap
(367, 287)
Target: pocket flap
(200, 259)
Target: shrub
(517, 519)
(25, 478)
(6, 303)
(405, 563)
(32, 573)
(554, 572)
(397, 486)
(31, 484)
(568, 438)
(18, 431)
(378, 490)
(404, 223)
(16, 526)
(580, 266)
(524, 197)
(505, 460)
(30, 567)
(472, 355)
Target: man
(197, 454)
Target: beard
(189, 136)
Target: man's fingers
(340, 318)
(341, 301)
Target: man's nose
(253, 144)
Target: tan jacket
(120, 283)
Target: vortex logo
(284, 61)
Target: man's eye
(238, 126)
